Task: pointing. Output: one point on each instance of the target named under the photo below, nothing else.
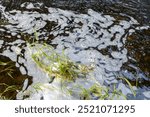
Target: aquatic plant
(99, 91)
(57, 65)
(129, 84)
(3, 98)
(96, 91)
(7, 89)
(85, 94)
(11, 80)
(39, 87)
(7, 68)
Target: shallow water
(112, 34)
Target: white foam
(1, 42)
(147, 94)
(83, 44)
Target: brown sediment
(11, 77)
(138, 45)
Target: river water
(114, 35)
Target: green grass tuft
(100, 92)
(58, 65)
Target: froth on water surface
(106, 38)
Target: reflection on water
(113, 38)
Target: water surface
(112, 34)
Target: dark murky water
(112, 34)
(11, 79)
